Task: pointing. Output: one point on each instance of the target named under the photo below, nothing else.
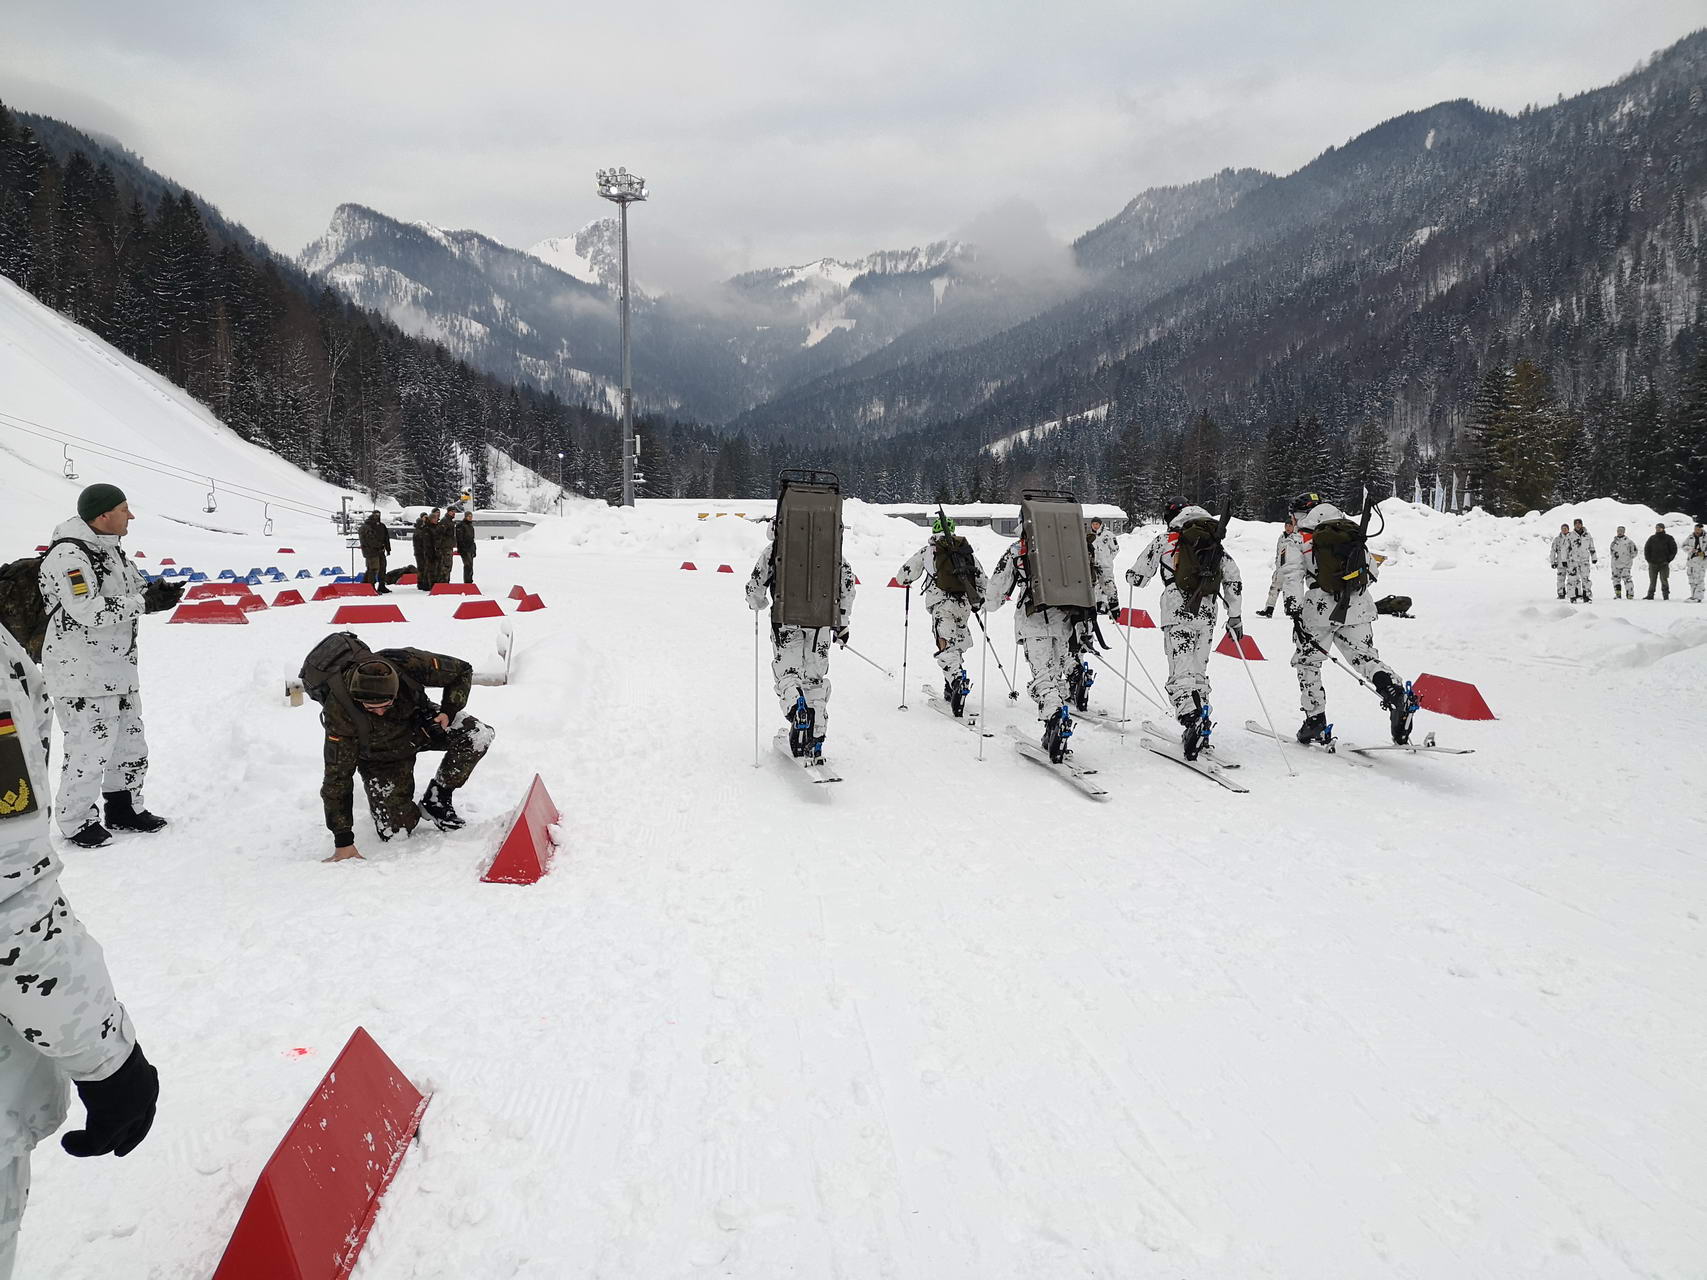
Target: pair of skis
(1352, 753)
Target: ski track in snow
(1437, 1017)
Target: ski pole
(984, 693)
(990, 646)
(1126, 669)
(1135, 689)
(756, 712)
(1239, 643)
(887, 673)
(906, 622)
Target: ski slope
(1430, 1018)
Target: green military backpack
(1341, 551)
(956, 570)
(23, 611)
(1197, 560)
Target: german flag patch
(78, 586)
(7, 724)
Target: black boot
(1397, 699)
(1056, 731)
(1314, 728)
(437, 806)
(800, 726)
(958, 688)
(122, 814)
(92, 836)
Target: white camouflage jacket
(922, 564)
(1692, 546)
(1298, 574)
(59, 1017)
(1579, 549)
(90, 651)
(1160, 557)
(1556, 550)
(1622, 552)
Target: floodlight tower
(622, 189)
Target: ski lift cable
(141, 461)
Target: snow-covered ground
(1439, 1017)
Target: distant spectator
(1558, 555)
(1659, 551)
(422, 542)
(465, 544)
(1623, 555)
(1695, 562)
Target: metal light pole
(622, 189)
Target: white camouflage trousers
(1187, 643)
(1578, 582)
(1563, 571)
(1354, 640)
(1046, 638)
(1697, 571)
(14, 1194)
(800, 664)
(953, 637)
(1622, 578)
(104, 751)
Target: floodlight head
(620, 186)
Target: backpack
(1341, 558)
(23, 611)
(1394, 606)
(322, 675)
(956, 570)
(1197, 560)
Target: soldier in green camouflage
(377, 722)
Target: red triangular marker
(1249, 645)
(1451, 698)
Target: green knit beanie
(97, 500)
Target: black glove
(1236, 628)
(1266, 613)
(120, 1109)
(160, 594)
(840, 636)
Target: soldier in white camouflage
(1190, 548)
(943, 562)
(1580, 556)
(800, 656)
(60, 1020)
(94, 596)
(1622, 553)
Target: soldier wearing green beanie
(94, 596)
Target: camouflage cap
(373, 681)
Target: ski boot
(1401, 703)
(437, 806)
(1316, 731)
(1056, 731)
(955, 692)
(122, 814)
(1197, 725)
(800, 736)
(1079, 682)
(1561, 595)
(1266, 613)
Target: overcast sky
(771, 133)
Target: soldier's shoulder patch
(78, 586)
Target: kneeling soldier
(378, 718)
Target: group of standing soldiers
(1572, 556)
(438, 537)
